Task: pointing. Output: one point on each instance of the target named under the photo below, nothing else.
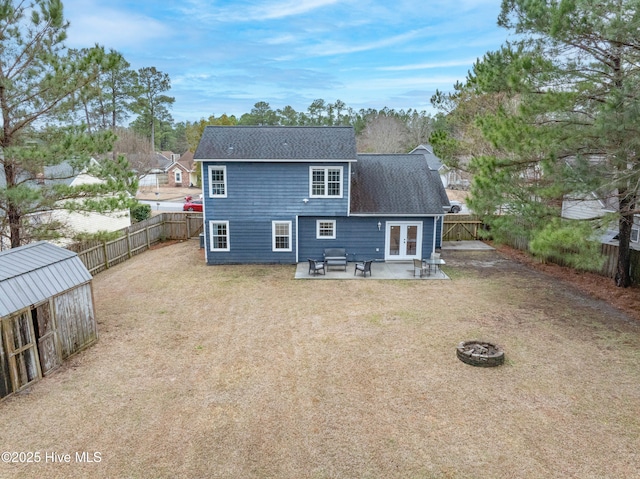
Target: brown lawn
(243, 372)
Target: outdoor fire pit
(480, 353)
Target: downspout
(297, 236)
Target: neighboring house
(284, 194)
(84, 222)
(75, 222)
(597, 205)
(46, 312)
(182, 173)
(156, 174)
(435, 163)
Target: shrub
(140, 212)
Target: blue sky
(223, 56)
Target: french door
(403, 241)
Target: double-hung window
(281, 235)
(178, 176)
(218, 181)
(635, 233)
(326, 229)
(326, 182)
(219, 235)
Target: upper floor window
(218, 181)
(326, 182)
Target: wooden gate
(461, 227)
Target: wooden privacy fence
(609, 251)
(98, 255)
(461, 227)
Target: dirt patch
(596, 286)
(242, 371)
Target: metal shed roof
(30, 274)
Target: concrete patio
(393, 269)
(379, 270)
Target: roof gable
(434, 162)
(30, 274)
(276, 143)
(396, 185)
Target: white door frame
(402, 255)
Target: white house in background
(157, 173)
(76, 222)
(591, 206)
(84, 222)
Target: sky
(224, 56)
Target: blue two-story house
(284, 194)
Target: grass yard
(243, 372)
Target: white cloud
(428, 66)
(111, 28)
(339, 48)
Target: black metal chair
(364, 267)
(316, 266)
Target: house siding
(359, 235)
(585, 209)
(259, 193)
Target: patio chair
(316, 266)
(364, 266)
(421, 267)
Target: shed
(46, 312)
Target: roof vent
(230, 150)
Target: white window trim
(224, 173)
(326, 181)
(273, 237)
(211, 235)
(177, 175)
(635, 231)
(318, 236)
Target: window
(178, 176)
(326, 182)
(219, 234)
(281, 235)
(218, 181)
(326, 229)
(635, 234)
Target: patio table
(435, 262)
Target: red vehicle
(192, 205)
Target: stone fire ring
(480, 353)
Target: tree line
(380, 131)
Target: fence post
(187, 221)
(106, 255)
(129, 244)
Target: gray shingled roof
(30, 274)
(281, 143)
(396, 185)
(434, 162)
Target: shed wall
(75, 320)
